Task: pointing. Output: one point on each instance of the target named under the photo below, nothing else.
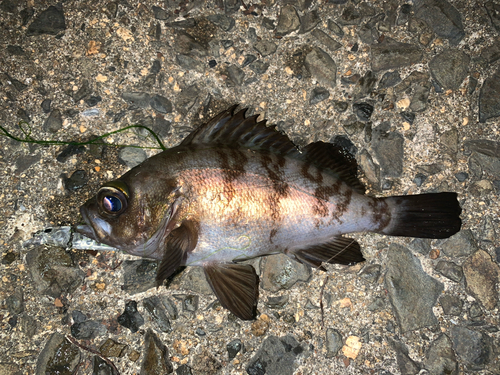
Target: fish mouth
(89, 230)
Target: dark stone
(132, 156)
(365, 85)
(450, 270)
(440, 358)
(161, 104)
(93, 100)
(187, 99)
(226, 23)
(340, 106)
(489, 98)
(87, 330)
(139, 275)
(101, 367)
(156, 356)
(419, 179)
(408, 116)
(471, 346)
(326, 40)
(158, 312)
(137, 99)
(131, 318)
(444, 19)
(363, 110)
(406, 365)
(265, 47)
(420, 96)
(77, 180)
(450, 68)
(83, 92)
(318, 94)
(23, 162)
(53, 271)
(370, 273)
(321, 66)
(15, 302)
(46, 105)
(412, 292)
(279, 272)
(159, 13)
(333, 342)
(481, 278)
(183, 24)
(51, 21)
(276, 356)
(23, 115)
(212, 63)
(336, 29)
(452, 305)
(350, 16)
(233, 348)
(248, 60)
(53, 122)
(459, 245)
(493, 10)
(392, 55)
(288, 20)
(236, 74)
(277, 302)
(58, 356)
(183, 370)
(78, 316)
(309, 21)
(259, 67)
(462, 176)
(388, 148)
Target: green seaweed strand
(29, 139)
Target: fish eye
(112, 200)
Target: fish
(235, 189)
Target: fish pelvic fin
(179, 243)
(340, 250)
(433, 215)
(236, 286)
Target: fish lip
(86, 230)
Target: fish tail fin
(433, 215)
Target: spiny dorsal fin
(235, 130)
(336, 160)
(236, 286)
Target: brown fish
(235, 189)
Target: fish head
(133, 213)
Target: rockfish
(235, 189)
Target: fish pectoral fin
(236, 286)
(339, 250)
(179, 243)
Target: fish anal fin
(336, 159)
(236, 286)
(339, 250)
(179, 243)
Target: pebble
(77, 180)
(58, 356)
(234, 347)
(68, 151)
(452, 305)
(54, 122)
(277, 302)
(15, 302)
(405, 363)
(412, 292)
(471, 346)
(53, 271)
(442, 17)
(112, 348)
(223, 21)
(333, 342)
(363, 110)
(156, 358)
(450, 270)
(158, 312)
(481, 278)
(449, 68)
(321, 66)
(371, 273)
(139, 275)
(440, 358)
(51, 21)
(161, 104)
(489, 98)
(279, 272)
(459, 245)
(391, 54)
(131, 318)
(318, 94)
(101, 367)
(132, 156)
(388, 148)
(288, 21)
(87, 330)
(277, 356)
(326, 40)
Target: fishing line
(29, 139)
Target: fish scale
(235, 189)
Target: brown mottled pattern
(232, 162)
(318, 178)
(280, 189)
(381, 213)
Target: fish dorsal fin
(336, 160)
(235, 130)
(236, 286)
(179, 243)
